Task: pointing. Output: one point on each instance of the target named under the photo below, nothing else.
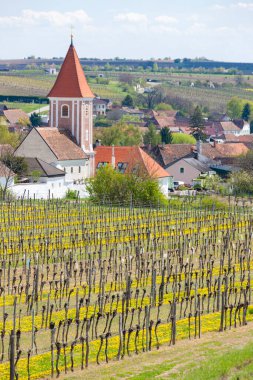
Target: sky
(219, 30)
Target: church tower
(71, 103)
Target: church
(67, 144)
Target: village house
(14, 119)
(134, 159)
(99, 107)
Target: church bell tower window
(65, 111)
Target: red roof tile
(61, 144)
(71, 81)
(133, 156)
(14, 116)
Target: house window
(122, 167)
(100, 164)
(79, 169)
(71, 170)
(182, 170)
(87, 135)
(65, 111)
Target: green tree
(183, 138)
(242, 183)
(11, 165)
(235, 108)
(246, 112)
(35, 119)
(166, 135)
(6, 137)
(197, 124)
(128, 101)
(251, 126)
(121, 134)
(155, 67)
(113, 187)
(151, 136)
(245, 162)
(163, 107)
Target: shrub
(72, 195)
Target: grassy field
(228, 355)
(26, 107)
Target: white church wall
(54, 189)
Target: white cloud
(131, 17)
(54, 18)
(243, 5)
(218, 7)
(166, 20)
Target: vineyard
(83, 284)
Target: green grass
(26, 107)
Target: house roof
(213, 128)
(229, 126)
(134, 156)
(61, 143)
(5, 172)
(173, 152)
(71, 81)
(99, 101)
(223, 150)
(197, 164)
(46, 170)
(14, 116)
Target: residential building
(133, 160)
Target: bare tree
(10, 165)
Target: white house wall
(75, 170)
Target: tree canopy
(197, 124)
(246, 112)
(35, 119)
(128, 101)
(183, 138)
(9, 138)
(235, 108)
(110, 186)
(120, 134)
(151, 136)
(166, 135)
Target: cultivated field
(82, 285)
(216, 99)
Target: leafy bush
(111, 186)
(71, 195)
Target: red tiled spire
(71, 81)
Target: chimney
(113, 158)
(199, 148)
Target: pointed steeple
(71, 81)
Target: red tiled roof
(61, 145)
(133, 156)
(229, 126)
(223, 150)
(173, 152)
(14, 116)
(71, 81)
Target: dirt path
(170, 362)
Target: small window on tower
(65, 111)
